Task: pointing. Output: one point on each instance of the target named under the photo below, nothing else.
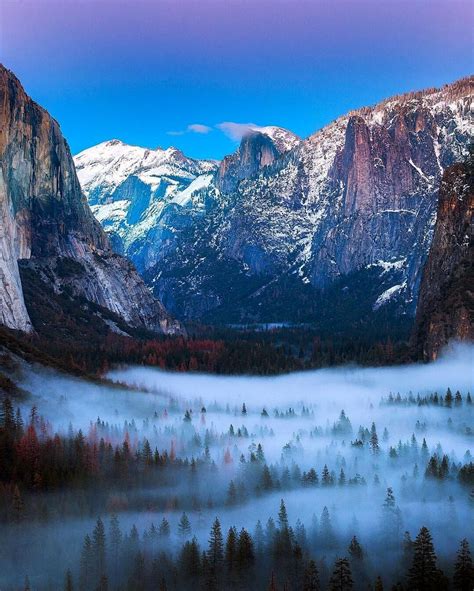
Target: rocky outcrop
(45, 216)
(446, 303)
(258, 149)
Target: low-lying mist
(158, 445)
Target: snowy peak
(259, 148)
(103, 168)
(283, 139)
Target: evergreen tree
(190, 560)
(184, 526)
(355, 549)
(115, 540)
(216, 548)
(87, 560)
(311, 577)
(341, 578)
(98, 548)
(423, 574)
(374, 440)
(164, 529)
(245, 556)
(463, 577)
(282, 516)
(259, 538)
(326, 530)
(231, 554)
(392, 520)
(68, 584)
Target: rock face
(446, 303)
(258, 149)
(46, 219)
(283, 218)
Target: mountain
(446, 303)
(48, 231)
(335, 227)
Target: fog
(296, 419)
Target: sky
(172, 72)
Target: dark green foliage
(424, 574)
(341, 578)
(311, 577)
(463, 577)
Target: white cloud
(236, 131)
(192, 128)
(199, 128)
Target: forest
(334, 479)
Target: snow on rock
(388, 295)
(361, 191)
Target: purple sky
(140, 69)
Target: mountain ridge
(359, 193)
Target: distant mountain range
(333, 229)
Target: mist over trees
(347, 479)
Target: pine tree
(392, 520)
(259, 537)
(325, 476)
(231, 494)
(184, 526)
(190, 559)
(245, 552)
(267, 481)
(216, 547)
(463, 577)
(355, 549)
(374, 440)
(341, 578)
(98, 548)
(68, 585)
(378, 584)
(115, 540)
(282, 516)
(326, 529)
(164, 529)
(407, 550)
(423, 574)
(231, 552)
(7, 418)
(87, 559)
(311, 577)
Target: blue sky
(161, 73)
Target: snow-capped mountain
(133, 191)
(350, 210)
